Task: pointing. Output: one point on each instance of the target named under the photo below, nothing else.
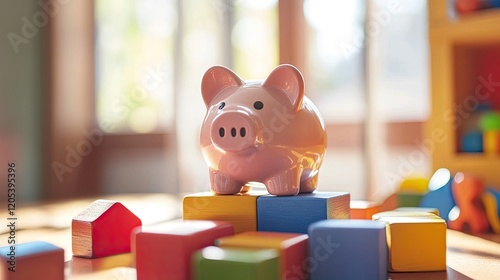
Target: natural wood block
(348, 249)
(362, 209)
(292, 248)
(416, 243)
(164, 251)
(239, 209)
(296, 213)
(32, 260)
(434, 211)
(103, 229)
(396, 213)
(214, 263)
(468, 214)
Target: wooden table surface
(468, 257)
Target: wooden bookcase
(457, 45)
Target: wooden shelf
(457, 47)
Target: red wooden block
(164, 251)
(103, 229)
(32, 260)
(467, 191)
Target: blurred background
(103, 97)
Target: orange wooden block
(164, 251)
(469, 211)
(32, 260)
(390, 203)
(292, 248)
(362, 209)
(103, 229)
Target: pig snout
(233, 131)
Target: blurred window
(134, 64)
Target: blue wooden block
(32, 260)
(440, 195)
(472, 142)
(348, 249)
(296, 213)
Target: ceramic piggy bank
(266, 132)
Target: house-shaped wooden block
(103, 229)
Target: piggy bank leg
(221, 184)
(309, 183)
(284, 183)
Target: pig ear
(215, 80)
(289, 80)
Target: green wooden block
(409, 199)
(214, 263)
(490, 121)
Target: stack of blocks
(411, 190)
(269, 231)
(253, 236)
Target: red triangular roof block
(103, 229)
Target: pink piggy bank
(265, 132)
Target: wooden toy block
(362, 209)
(411, 191)
(434, 211)
(472, 142)
(103, 229)
(239, 209)
(390, 203)
(214, 263)
(490, 121)
(469, 213)
(490, 142)
(348, 249)
(407, 199)
(292, 248)
(491, 208)
(440, 195)
(32, 260)
(396, 213)
(164, 251)
(296, 213)
(414, 185)
(416, 243)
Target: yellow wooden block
(414, 185)
(490, 207)
(490, 142)
(416, 243)
(292, 248)
(239, 209)
(434, 211)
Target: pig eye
(222, 104)
(258, 105)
